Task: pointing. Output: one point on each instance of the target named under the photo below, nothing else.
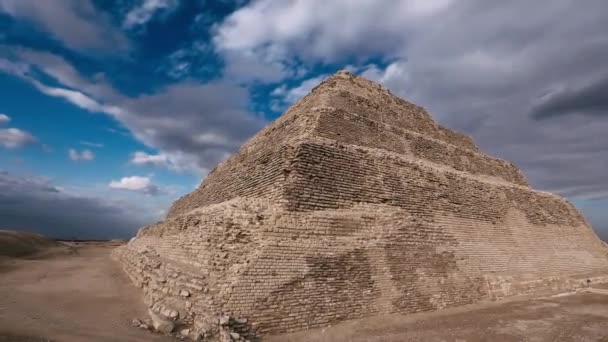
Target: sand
(578, 317)
(81, 295)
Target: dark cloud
(597, 215)
(34, 204)
(198, 123)
(601, 228)
(591, 99)
(484, 69)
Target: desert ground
(76, 292)
(68, 293)
(577, 317)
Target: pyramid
(355, 203)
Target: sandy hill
(20, 244)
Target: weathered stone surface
(356, 203)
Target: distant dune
(22, 244)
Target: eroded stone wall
(371, 100)
(287, 271)
(256, 170)
(326, 175)
(355, 203)
(352, 129)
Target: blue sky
(110, 110)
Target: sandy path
(82, 297)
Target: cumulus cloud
(291, 95)
(497, 71)
(76, 23)
(261, 39)
(145, 11)
(194, 125)
(15, 138)
(84, 155)
(139, 184)
(492, 70)
(35, 204)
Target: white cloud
(143, 158)
(138, 184)
(292, 95)
(179, 162)
(255, 65)
(270, 33)
(194, 125)
(92, 144)
(84, 155)
(78, 98)
(188, 61)
(13, 68)
(64, 73)
(76, 23)
(480, 67)
(15, 138)
(143, 13)
(394, 76)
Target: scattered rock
(184, 293)
(235, 336)
(160, 323)
(136, 323)
(224, 320)
(194, 336)
(185, 332)
(169, 313)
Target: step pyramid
(356, 203)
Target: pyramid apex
(348, 75)
(345, 79)
(344, 72)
